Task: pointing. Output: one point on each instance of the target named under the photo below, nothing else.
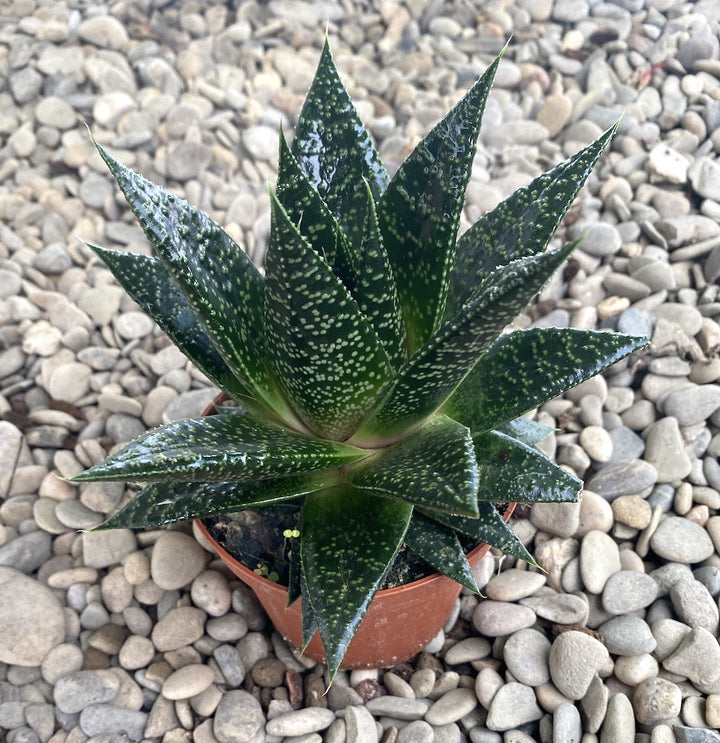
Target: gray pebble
(513, 705)
(627, 635)
(418, 731)
(575, 657)
(567, 725)
(694, 605)
(402, 709)
(655, 700)
(697, 657)
(238, 717)
(681, 540)
(619, 725)
(499, 618)
(77, 690)
(628, 591)
(626, 478)
(526, 657)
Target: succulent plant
(372, 380)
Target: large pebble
(665, 450)
(452, 707)
(567, 724)
(179, 627)
(98, 720)
(514, 584)
(513, 705)
(526, 657)
(655, 700)
(31, 618)
(681, 540)
(187, 681)
(627, 635)
(176, 559)
(691, 405)
(300, 722)
(624, 478)
(575, 657)
(499, 618)
(599, 559)
(628, 591)
(697, 657)
(619, 725)
(238, 718)
(361, 727)
(403, 709)
(77, 690)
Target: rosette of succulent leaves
(373, 382)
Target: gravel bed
(123, 636)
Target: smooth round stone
(77, 690)
(60, 661)
(238, 717)
(513, 705)
(697, 657)
(575, 657)
(187, 681)
(136, 652)
(418, 731)
(619, 724)
(179, 627)
(500, 618)
(104, 548)
(560, 519)
(104, 31)
(105, 719)
(691, 405)
(655, 700)
(399, 707)
(624, 478)
(597, 443)
(451, 707)
(709, 576)
(594, 704)
(227, 628)
(176, 560)
(665, 450)
(632, 669)
(599, 559)
(526, 657)
(69, 382)
(210, 592)
(300, 722)
(681, 540)
(567, 724)
(595, 514)
(601, 240)
(561, 608)
(626, 635)
(31, 617)
(133, 324)
(628, 591)
(632, 510)
(467, 650)
(514, 584)
(360, 726)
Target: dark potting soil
(256, 539)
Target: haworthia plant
(372, 381)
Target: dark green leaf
(435, 467)
(489, 528)
(148, 282)
(220, 282)
(526, 368)
(167, 502)
(308, 618)
(419, 213)
(349, 540)
(373, 287)
(439, 546)
(432, 374)
(512, 471)
(325, 353)
(335, 150)
(522, 225)
(527, 431)
(236, 448)
(303, 205)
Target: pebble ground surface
(122, 636)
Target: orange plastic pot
(399, 623)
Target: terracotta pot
(399, 623)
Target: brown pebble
(390, 735)
(294, 683)
(369, 689)
(315, 691)
(268, 673)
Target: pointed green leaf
(432, 374)
(233, 448)
(526, 368)
(349, 540)
(419, 213)
(334, 149)
(510, 470)
(373, 286)
(222, 285)
(489, 528)
(527, 431)
(435, 467)
(167, 502)
(309, 620)
(303, 205)
(439, 546)
(148, 282)
(522, 225)
(325, 353)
